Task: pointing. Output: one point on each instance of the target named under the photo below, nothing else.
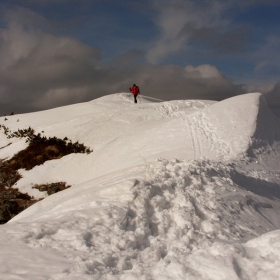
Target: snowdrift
(235, 127)
(184, 189)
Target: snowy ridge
(233, 128)
(173, 190)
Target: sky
(59, 52)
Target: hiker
(135, 91)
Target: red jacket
(135, 90)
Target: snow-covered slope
(172, 190)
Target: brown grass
(37, 154)
(52, 188)
(39, 150)
(13, 202)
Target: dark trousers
(135, 98)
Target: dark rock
(12, 202)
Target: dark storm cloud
(210, 26)
(130, 59)
(233, 41)
(174, 82)
(183, 23)
(37, 66)
(218, 40)
(273, 96)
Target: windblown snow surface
(172, 190)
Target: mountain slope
(172, 190)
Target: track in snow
(195, 140)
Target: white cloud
(205, 71)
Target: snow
(185, 189)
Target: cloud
(40, 71)
(33, 62)
(204, 71)
(58, 96)
(181, 20)
(273, 96)
(174, 82)
(211, 27)
(233, 41)
(130, 59)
